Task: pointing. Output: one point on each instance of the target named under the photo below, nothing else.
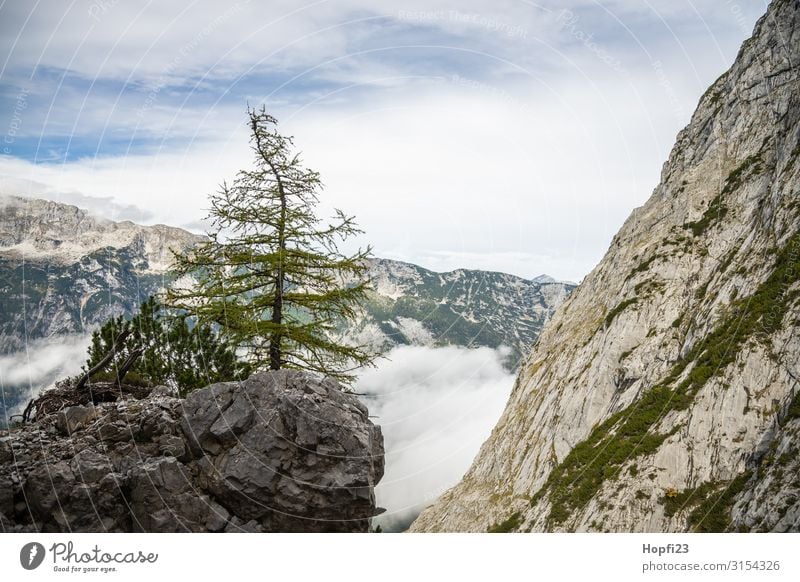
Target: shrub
(507, 526)
(619, 309)
(174, 351)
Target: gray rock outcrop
(281, 451)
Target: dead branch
(135, 354)
(26, 414)
(104, 362)
(51, 401)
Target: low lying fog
(436, 406)
(41, 364)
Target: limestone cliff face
(662, 396)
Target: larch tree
(271, 274)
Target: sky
(508, 135)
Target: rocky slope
(282, 451)
(414, 306)
(662, 396)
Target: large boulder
(281, 451)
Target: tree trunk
(277, 316)
(135, 355)
(275, 355)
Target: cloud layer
(40, 365)
(436, 406)
(460, 134)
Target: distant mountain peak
(42, 230)
(543, 279)
(411, 304)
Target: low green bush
(507, 526)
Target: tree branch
(123, 335)
(135, 354)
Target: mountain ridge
(59, 249)
(43, 230)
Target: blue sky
(509, 135)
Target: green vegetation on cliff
(631, 433)
(717, 210)
(709, 503)
(507, 526)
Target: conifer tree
(271, 274)
(173, 351)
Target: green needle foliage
(174, 352)
(271, 275)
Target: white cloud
(452, 167)
(173, 41)
(169, 188)
(486, 150)
(42, 363)
(435, 406)
(104, 206)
